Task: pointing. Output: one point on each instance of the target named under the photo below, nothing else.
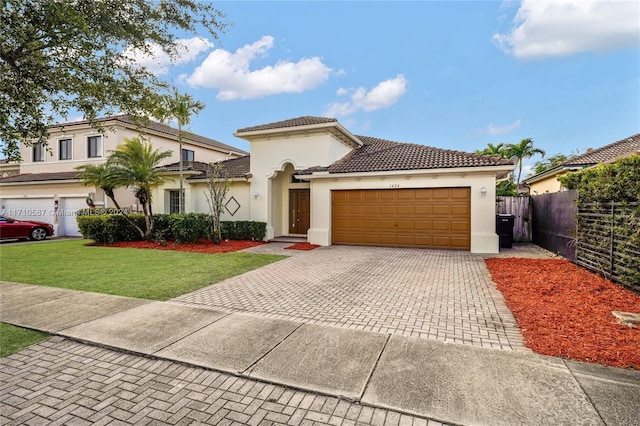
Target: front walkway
(431, 294)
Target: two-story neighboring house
(47, 187)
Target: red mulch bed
(302, 246)
(201, 246)
(564, 310)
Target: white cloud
(231, 73)
(157, 61)
(385, 94)
(562, 28)
(499, 130)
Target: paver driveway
(434, 294)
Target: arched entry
(291, 203)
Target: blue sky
(454, 75)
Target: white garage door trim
(68, 212)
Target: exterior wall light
(256, 194)
(483, 191)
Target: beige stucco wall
(548, 184)
(203, 154)
(270, 156)
(112, 137)
(483, 236)
(239, 191)
(9, 169)
(196, 201)
(32, 190)
(79, 151)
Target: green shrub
(189, 227)
(258, 230)
(618, 181)
(186, 228)
(162, 229)
(600, 189)
(109, 228)
(102, 211)
(244, 230)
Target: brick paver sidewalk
(62, 382)
(434, 294)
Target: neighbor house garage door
(69, 207)
(40, 209)
(422, 217)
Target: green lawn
(13, 338)
(141, 273)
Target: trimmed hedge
(608, 221)
(109, 228)
(186, 228)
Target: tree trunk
(111, 196)
(147, 222)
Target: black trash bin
(504, 229)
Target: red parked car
(22, 229)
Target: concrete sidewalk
(449, 383)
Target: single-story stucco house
(311, 177)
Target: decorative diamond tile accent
(232, 206)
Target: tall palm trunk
(181, 197)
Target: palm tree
(105, 178)
(99, 176)
(523, 150)
(136, 164)
(179, 106)
(493, 150)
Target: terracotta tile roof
(306, 120)
(197, 166)
(39, 177)
(236, 168)
(160, 128)
(607, 153)
(384, 155)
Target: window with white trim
(94, 148)
(64, 149)
(38, 152)
(187, 155)
(174, 202)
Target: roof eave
(184, 172)
(39, 182)
(497, 170)
(351, 139)
(231, 179)
(553, 172)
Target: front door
(299, 211)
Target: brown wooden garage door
(422, 217)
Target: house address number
(394, 185)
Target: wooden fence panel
(603, 241)
(520, 208)
(554, 222)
